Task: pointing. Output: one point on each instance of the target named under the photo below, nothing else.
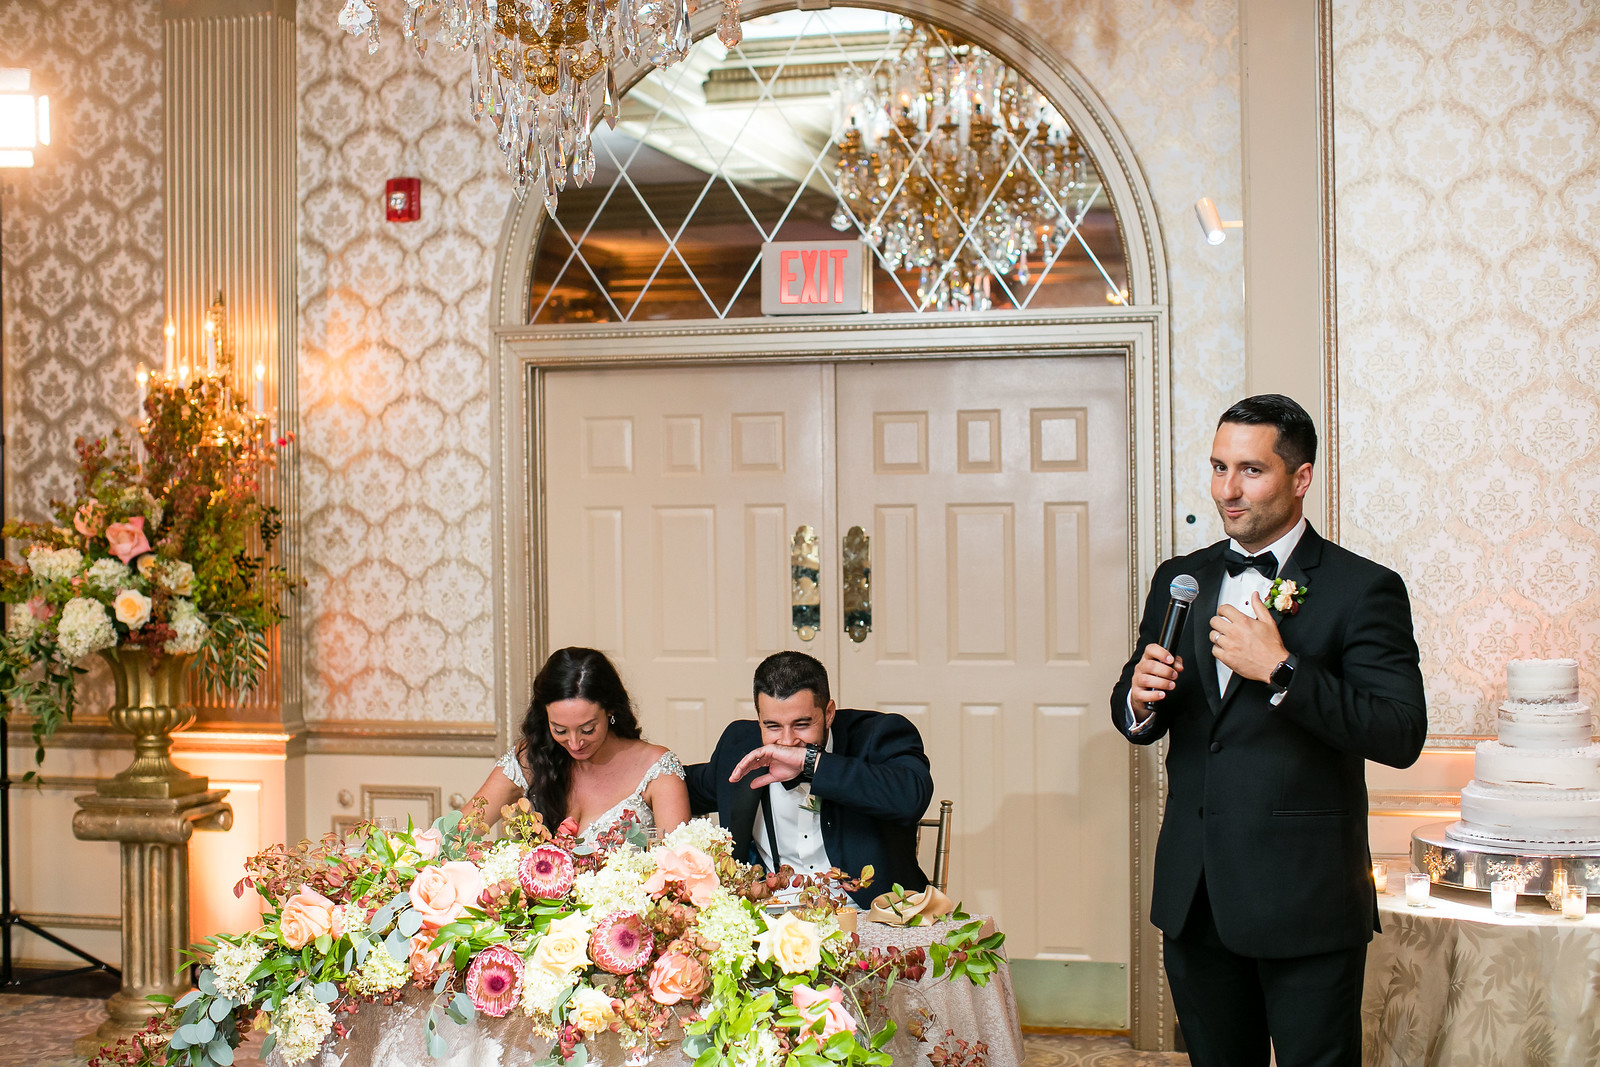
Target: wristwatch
(809, 767)
(1283, 674)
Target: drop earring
(612, 719)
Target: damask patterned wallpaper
(394, 381)
(394, 348)
(1468, 182)
(82, 236)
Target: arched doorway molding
(1138, 332)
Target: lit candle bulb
(211, 348)
(259, 394)
(172, 350)
(142, 376)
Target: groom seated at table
(811, 786)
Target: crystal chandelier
(954, 166)
(540, 67)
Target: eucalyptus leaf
(438, 987)
(266, 1045)
(409, 923)
(695, 1045)
(220, 1009)
(207, 983)
(464, 1004)
(397, 945)
(221, 1052)
(436, 1047)
(579, 1057)
(447, 822)
(178, 1042)
(360, 947)
(326, 992)
(188, 999)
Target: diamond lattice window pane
(970, 189)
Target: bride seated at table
(581, 756)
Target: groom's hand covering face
(787, 727)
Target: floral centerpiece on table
(167, 554)
(671, 945)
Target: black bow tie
(1238, 563)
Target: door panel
(996, 491)
(679, 490)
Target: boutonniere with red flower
(1285, 596)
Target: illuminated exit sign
(815, 278)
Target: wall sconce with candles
(225, 382)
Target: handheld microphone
(1184, 589)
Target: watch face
(1283, 675)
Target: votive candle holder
(1417, 889)
(1380, 875)
(1575, 903)
(1503, 897)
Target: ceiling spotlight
(1211, 222)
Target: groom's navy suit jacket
(874, 787)
(1269, 803)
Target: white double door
(995, 494)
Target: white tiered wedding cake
(1538, 786)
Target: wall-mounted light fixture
(1216, 230)
(24, 118)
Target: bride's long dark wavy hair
(570, 673)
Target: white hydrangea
(617, 886)
(540, 991)
(726, 919)
(108, 575)
(22, 622)
(85, 628)
(53, 564)
(301, 1025)
(176, 577)
(759, 1050)
(501, 863)
(702, 834)
(188, 626)
(231, 965)
(378, 973)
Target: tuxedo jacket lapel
(742, 815)
(1306, 556)
(1199, 626)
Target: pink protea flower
(621, 943)
(492, 980)
(546, 873)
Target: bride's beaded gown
(630, 809)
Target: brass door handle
(805, 585)
(857, 557)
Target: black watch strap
(809, 767)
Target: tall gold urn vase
(152, 704)
(151, 810)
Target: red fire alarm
(402, 199)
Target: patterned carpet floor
(39, 1032)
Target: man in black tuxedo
(1263, 885)
(811, 786)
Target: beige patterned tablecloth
(1454, 985)
(383, 1036)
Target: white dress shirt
(1236, 590)
(799, 830)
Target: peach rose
(132, 607)
(696, 870)
(590, 1010)
(442, 894)
(564, 947)
(307, 916)
(428, 843)
(676, 977)
(88, 519)
(127, 538)
(795, 944)
(40, 610)
(827, 1005)
(424, 961)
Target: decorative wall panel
(82, 236)
(394, 382)
(1468, 170)
(1169, 71)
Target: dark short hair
(1297, 434)
(783, 674)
